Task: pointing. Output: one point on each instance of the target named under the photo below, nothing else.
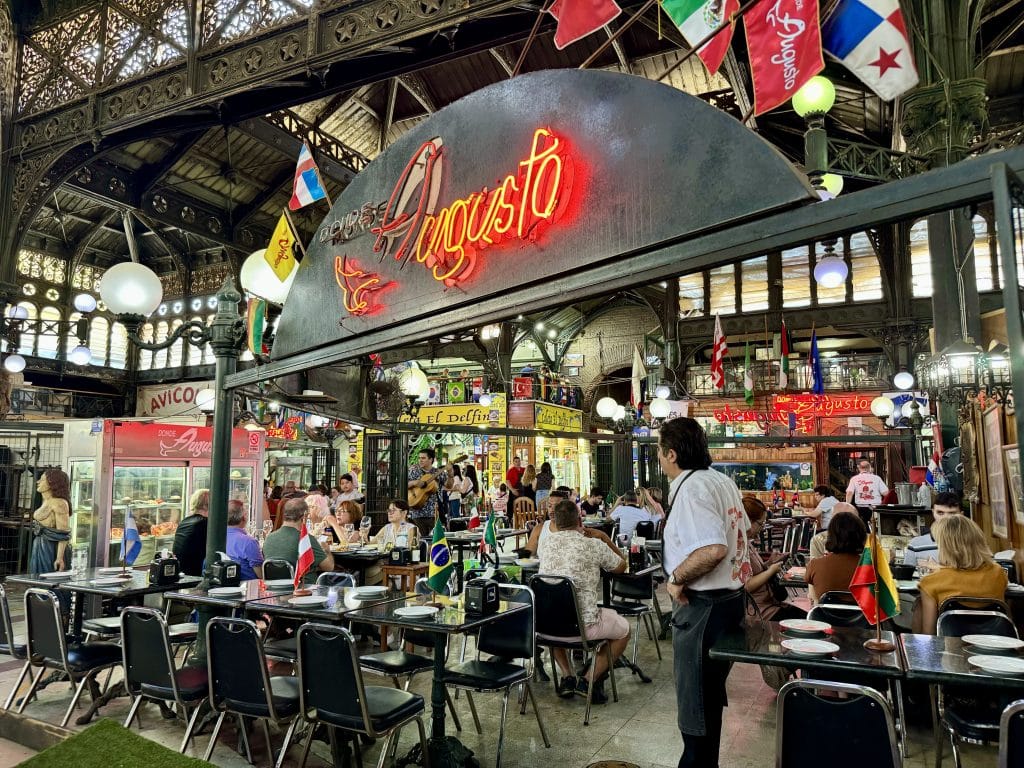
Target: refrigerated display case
(150, 469)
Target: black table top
(280, 605)
(450, 619)
(138, 584)
(944, 660)
(254, 589)
(763, 645)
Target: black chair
(841, 616)
(837, 597)
(900, 572)
(11, 645)
(559, 624)
(329, 579)
(810, 726)
(332, 692)
(960, 710)
(633, 597)
(1011, 569)
(1011, 736)
(239, 684)
(149, 670)
(277, 569)
(967, 603)
(48, 648)
(510, 638)
(646, 529)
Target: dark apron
(696, 627)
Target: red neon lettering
(418, 173)
(356, 285)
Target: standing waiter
(866, 490)
(705, 553)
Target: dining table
(441, 616)
(463, 541)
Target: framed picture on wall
(1011, 461)
(994, 473)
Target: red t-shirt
(513, 475)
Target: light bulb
(14, 363)
(663, 391)
(660, 408)
(486, 399)
(131, 288)
(259, 279)
(882, 407)
(84, 302)
(831, 272)
(17, 312)
(815, 97)
(413, 382)
(903, 380)
(606, 407)
(80, 355)
(206, 400)
(833, 183)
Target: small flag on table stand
(875, 591)
(305, 561)
(440, 560)
(488, 542)
(131, 542)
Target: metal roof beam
(150, 175)
(243, 213)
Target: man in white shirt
(629, 513)
(825, 506)
(866, 489)
(349, 488)
(705, 556)
(922, 551)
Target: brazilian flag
(440, 560)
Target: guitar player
(420, 476)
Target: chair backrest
(862, 723)
(963, 622)
(1011, 735)
(458, 525)
(45, 628)
(524, 506)
(237, 667)
(335, 579)
(146, 649)
(6, 625)
(968, 603)
(1011, 569)
(840, 616)
(512, 635)
(837, 597)
(278, 569)
(645, 529)
(556, 607)
(329, 676)
(474, 573)
(633, 588)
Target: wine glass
(350, 528)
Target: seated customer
(592, 504)
(283, 544)
(568, 551)
(844, 544)
(347, 513)
(241, 547)
(825, 507)
(398, 532)
(967, 569)
(190, 535)
(628, 513)
(817, 546)
(922, 551)
(757, 586)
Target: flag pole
(295, 231)
(613, 36)
(876, 644)
(707, 39)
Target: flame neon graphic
(357, 286)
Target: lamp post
(133, 291)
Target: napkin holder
(400, 556)
(481, 596)
(164, 570)
(225, 573)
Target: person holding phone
(770, 606)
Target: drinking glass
(350, 528)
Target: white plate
(907, 585)
(994, 642)
(279, 584)
(225, 591)
(56, 575)
(1015, 587)
(528, 562)
(369, 591)
(107, 582)
(810, 647)
(308, 600)
(806, 626)
(110, 569)
(416, 611)
(998, 665)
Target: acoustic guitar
(419, 495)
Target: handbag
(778, 589)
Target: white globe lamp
(831, 272)
(14, 363)
(903, 379)
(206, 400)
(815, 97)
(129, 288)
(83, 302)
(80, 355)
(606, 407)
(833, 184)
(882, 407)
(620, 412)
(660, 408)
(413, 382)
(663, 391)
(260, 280)
(486, 400)
(17, 312)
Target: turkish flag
(579, 18)
(784, 43)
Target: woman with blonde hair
(966, 569)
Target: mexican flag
(488, 542)
(440, 560)
(784, 362)
(748, 378)
(696, 19)
(872, 584)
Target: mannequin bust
(54, 515)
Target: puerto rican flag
(308, 188)
(305, 561)
(870, 38)
(933, 467)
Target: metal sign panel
(539, 176)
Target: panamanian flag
(870, 38)
(308, 187)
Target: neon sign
(357, 285)
(804, 408)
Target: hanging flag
(718, 352)
(279, 254)
(522, 388)
(579, 18)
(305, 561)
(817, 379)
(455, 391)
(784, 362)
(131, 542)
(872, 585)
(933, 468)
(488, 542)
(440, 560)
(870, 38)
(308, 187)
(784, 44)
(638, 378)
(697, 19)
(748, 378)
(255, 320)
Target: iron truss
(872, 163)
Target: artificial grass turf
(108, 745)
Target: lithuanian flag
(440, 560)
(872, 584)
(255, 321)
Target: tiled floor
(640, 728)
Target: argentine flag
(131, 542)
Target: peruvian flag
(718, 352)
(579, 18)
(784, 43)
(305, 561)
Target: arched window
(118, 346)
(160, 356)
(99, 337)
(754, 273)
(723, 290)
(691, 294)
(146, 355)
(27, 341)
(867, 274)
(920, 261)
(1018, 218)
(174, 353)
(48, 342)
(71, 337)
(194, 353)
(796, 277)
(982, 255)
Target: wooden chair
(522, 510)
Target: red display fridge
(153, 468)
